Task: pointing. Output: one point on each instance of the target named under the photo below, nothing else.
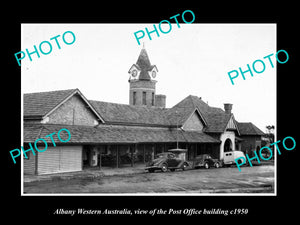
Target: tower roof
(143, 60)
(144, 65)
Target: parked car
(167, 161)
(229, 157)
(206, 161)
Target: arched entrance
(228, 145)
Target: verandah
(124, 155)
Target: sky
(192, 60)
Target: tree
(270, 133)
(269, 138)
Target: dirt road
(221, 180)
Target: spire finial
(143, 45)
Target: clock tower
(142, 81)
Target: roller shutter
(60, 159)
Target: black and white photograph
(150, 112)
(157, 118)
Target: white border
(150, 194)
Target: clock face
(134, 73)
(153, 74)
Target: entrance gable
(231, 125)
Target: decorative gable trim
(152, 68)
(138, 69)
(231, 125)
(202, 117)
(134, 66)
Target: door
(70, 158)
(228, 157)
(173, 161)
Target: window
(152, 99)
(144, 98)
(171, 156)
(134, 98)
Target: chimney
(160, 101)
(227, 107)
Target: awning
(237, 139)
(108, 134)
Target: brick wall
(140, 86)
(250, 143)
(193, 123)
(29, 163)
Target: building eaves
(112, 134)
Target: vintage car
(165, 161)
(206, 161)
(230, 157)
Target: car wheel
(217, 165)
(164, 168)
(206, 165)
(184, 166)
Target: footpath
(86, 173)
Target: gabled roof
(249, 129)
(115, 113)
(180, 113)
(215, 119)
(40, 104)
(217, 122)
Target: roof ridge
(131, 106)
(190, 96)
(39, 92)
(90, 100)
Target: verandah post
(144, 153)
(131, 155)
(117, 156)
(100, 157)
